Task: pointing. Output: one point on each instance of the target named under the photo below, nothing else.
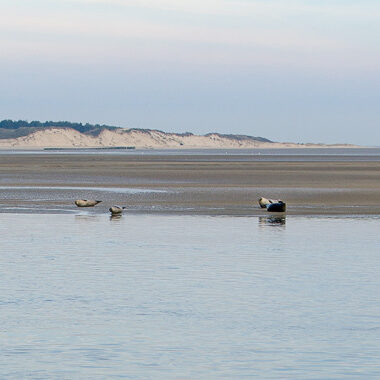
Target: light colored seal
(117, 210)
(86, 202)
(264, 202)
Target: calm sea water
(189, 297)
(269, 155)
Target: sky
(287, 70)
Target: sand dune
(70, 138)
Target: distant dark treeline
(83, 128)
(10, 129)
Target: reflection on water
(115, 217)
(172, 297)
(272, 220)
(85, 217)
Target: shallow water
(189, 297)
(267, 155)
(87, 189)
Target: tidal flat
(310, 181)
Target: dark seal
(280, 206)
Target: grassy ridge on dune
(10, 129)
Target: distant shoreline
(4, 147)
(119, 138)
(100, 149)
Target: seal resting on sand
(280, 206)
(86, 202)
(116, 210)
(264, 202)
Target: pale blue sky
(288, 70)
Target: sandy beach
(211, 184)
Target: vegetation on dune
(12, 129)
(239, 137)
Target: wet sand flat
(212, 184)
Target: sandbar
(212, 184)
